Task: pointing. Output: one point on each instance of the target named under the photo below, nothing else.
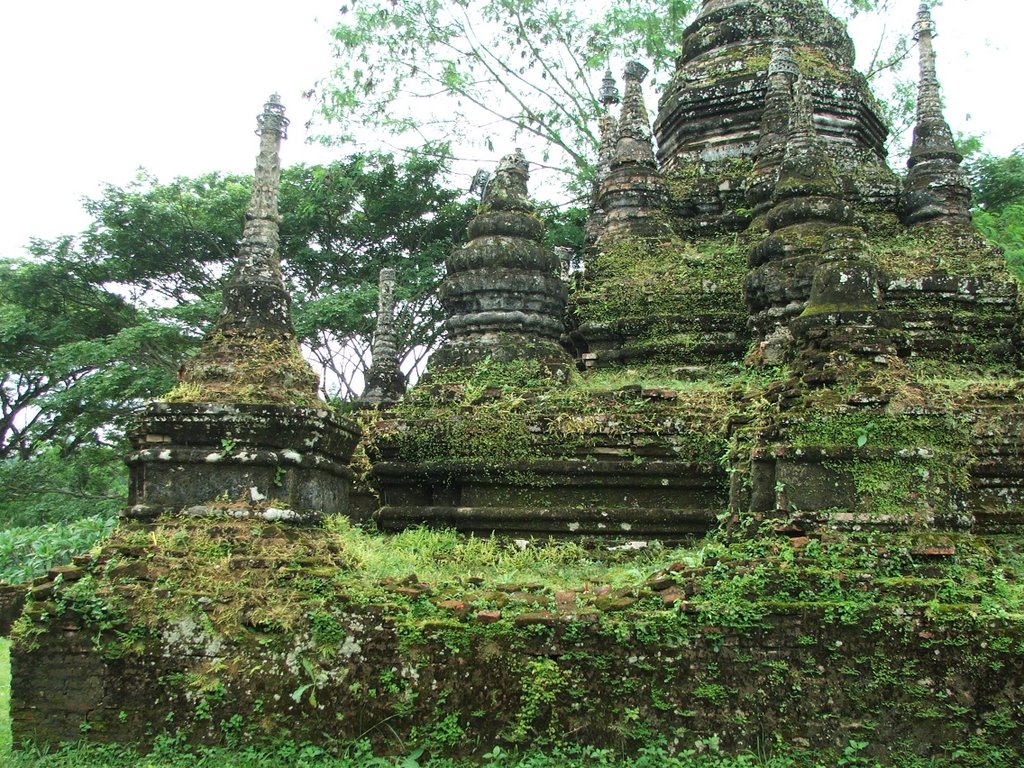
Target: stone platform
(462, 644)
(286, 461)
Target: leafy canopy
(92, 325)
(485, 73)
(997, 184)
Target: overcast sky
(93, 89)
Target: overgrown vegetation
(633, 280)
(238, 588)
(522, 411)
(171, 754)
(29, 551)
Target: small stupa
(245, 432)
(503, 295)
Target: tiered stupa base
(274, 462)
(502, 449)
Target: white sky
(93, 89)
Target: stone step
(622, 522)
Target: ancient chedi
(503, 296)
(757, 228)
(936, 187)
(770, 345)
(632, 192)
(245, 431)
(251, 352)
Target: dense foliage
(91, 325)
(998, 187)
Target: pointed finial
(256, 314)
(384, 349)
(933, 138)
(272, 120)
(507, 189)
(924, 23)
(258, 261)
(609, 92)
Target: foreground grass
(170, 754)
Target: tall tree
(74, 355)
(342, 224)
(472, 70)
(92, 325)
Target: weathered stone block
(251, 459)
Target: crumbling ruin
(246, 431)
(775, 338)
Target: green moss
(958, 250)
(248, 368)
(859, 428)
(634, 279)
(814, 64)
(454, 422)
(682, 181)
(728, 63)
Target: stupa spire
(807, 197)
(634, 139)
(256, 296)
(936, 188)
(384, 381)
(783, 72)
(929, 103)
(608, 127)
(633, 190)
(251, 354)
